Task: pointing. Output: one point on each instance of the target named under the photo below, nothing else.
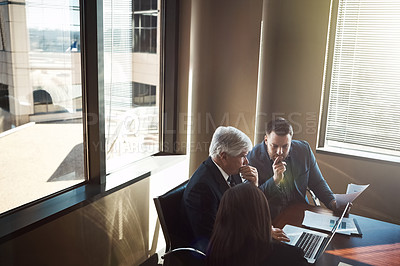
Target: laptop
(313, 243)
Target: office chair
(176, 229)
(314, 197)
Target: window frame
(2, 40)
(34, 214)
(322, 126)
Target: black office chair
(313, 197)
(176, 229)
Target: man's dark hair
(280, 126)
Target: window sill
(25, 218)
(358, 154)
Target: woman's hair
(242, 229)
(229, 140)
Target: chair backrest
(184, 257)
(174, 224)
(312, 195)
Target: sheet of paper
(343, 264)
(326, 223)
(353, 191)
(353, 188)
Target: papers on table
(353, 191)
(326, 223)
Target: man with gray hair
(226, 166)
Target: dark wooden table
(378, 245)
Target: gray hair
(229, 140)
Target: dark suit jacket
(301, 166)
(201, 200)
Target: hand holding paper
(353, 191)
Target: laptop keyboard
(308, 243)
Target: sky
(53, 14)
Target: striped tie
(231, 181)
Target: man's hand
(249, 173)
(339, 210)
(279, 167)
(279, 235)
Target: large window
(41, 138)
(145, 15)
(48, 118)
(361, 100)
(132, 129)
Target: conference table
(379, 243)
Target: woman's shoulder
(284, 254)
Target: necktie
(231, 181)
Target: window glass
(131, 81)
(361, 110)
(41, 132)
(2, 21)
(145, 26)
(144, 95)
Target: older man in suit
(226, 166)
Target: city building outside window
(132, 130)
(42, 108)
(41, 130)
(2, 45)
(145, 13)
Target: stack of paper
(326, 223)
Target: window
(59, 132)
(4, 102)
(41, 125)
(360, 112)
(132, 82)
(2, 45)
(144, 94)
(42, 104)
(145, 26)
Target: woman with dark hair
(242, 232)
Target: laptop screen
(339, 221)
(336, 226)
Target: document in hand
(353, 191)
(326, 223)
